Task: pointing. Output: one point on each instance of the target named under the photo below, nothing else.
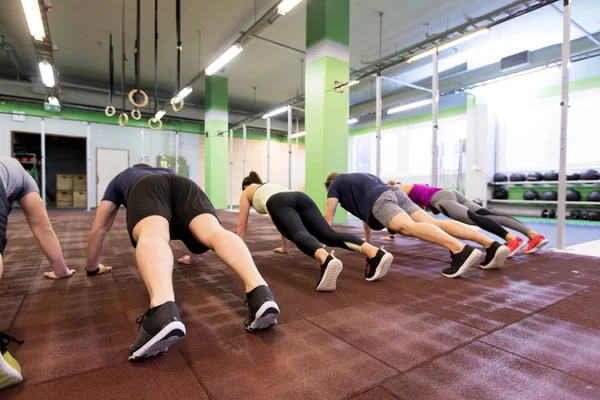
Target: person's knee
(151, 236)
(402, 224)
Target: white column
(88, 168)
(289, 115)
(268, 149)
(43, 144)
(231, 169)
(142, 136)
(177, 152)
(244, 161)
(434, 120)
(378, 125)
(564, 103)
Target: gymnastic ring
(121, 123)
(180, 102)
(154, 120)
(109, 111)
(144, 95)
(136, 114)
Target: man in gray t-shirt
(17, 185)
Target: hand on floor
(280, 250)
(189, 260)
(53, 275)
(388, 238)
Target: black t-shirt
(357, 193)
(118, 189)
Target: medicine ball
(573, 177)
(585, 215)
(551, 176)
(575, 214)
(590, 175)
(594, 196)
(534, 176)
(531, 195)
(550, 195)
(573, 195)
(500, 177)
(517, 177)
(500, 194)
(593, 216)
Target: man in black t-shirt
(161, 206)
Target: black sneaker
(378, 266)
(462, 261)
(10, 369)
(262, 309)
(330, 270)
(495, 255)
(159, 328)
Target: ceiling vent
(514, 61)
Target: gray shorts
(391, 203)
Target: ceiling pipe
(12, 54)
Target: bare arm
(105, 217)
(367, 232)
(242, 226)
(35, 211)
(330, 207)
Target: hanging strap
(179, 49)
(155, 56)
(137, 46)
(111, 69)
(123, 59)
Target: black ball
(573, 177)
(585, 215)
(573, 195)
(517, 177)
(550, 195)
(534, 176)
(575, 214)
(500, 194)
(590, 175)
(531, 195)
(551, 213)
(500, 177)
(593, 216)
(594, 195)
(551, 176)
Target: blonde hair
(392, 182)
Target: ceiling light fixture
(224, 59)
(53, 101)
(409, 106)
(47, 73)
(449, 44)
(352, 121)
(182, 94)
(34, 18)
(275, 112)
(286, 6)
(159, 115)
(297, 135)
(352, 83)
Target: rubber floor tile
(8, 310)
(376, 393)
(292, 361)
(578, 310)
(399, 335)
(479, 371)
(568, 347)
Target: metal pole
(434, 120)
(43, 144)
(268, 149)
(142, 134)
(88, 136)
(378, 124)
(244, 161)
(231, 169)
(564, 103)
(177, 152)
(289, 115)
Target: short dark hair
(253, 177)
(330, 179)
(142, 165)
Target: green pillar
(216, 151)
(326, 124)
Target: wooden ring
(144, 95)
(121, 123)
(154, 120)
(109, 111)
(180, 102)
(136, 114)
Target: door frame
(97, 177)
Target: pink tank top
(422, 194)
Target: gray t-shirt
(16, 181)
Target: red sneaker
(535, 244)
(515, 245)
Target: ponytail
(252, 178)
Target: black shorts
(4, 211)
(173, 197)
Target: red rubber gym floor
(530, 331)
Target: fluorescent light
(449, 44)
(297, 135)
(352, 83)
(47, 73)
(182, 94)
(275, 112)
(223, 59)
(159, 115)
(409, 106)
(286, 6)
(53, 100)
(34, 19)
(352, 121)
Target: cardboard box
(80, 199)
(64, 198)
(79, 183)
(64, 182)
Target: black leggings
(299, 220)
